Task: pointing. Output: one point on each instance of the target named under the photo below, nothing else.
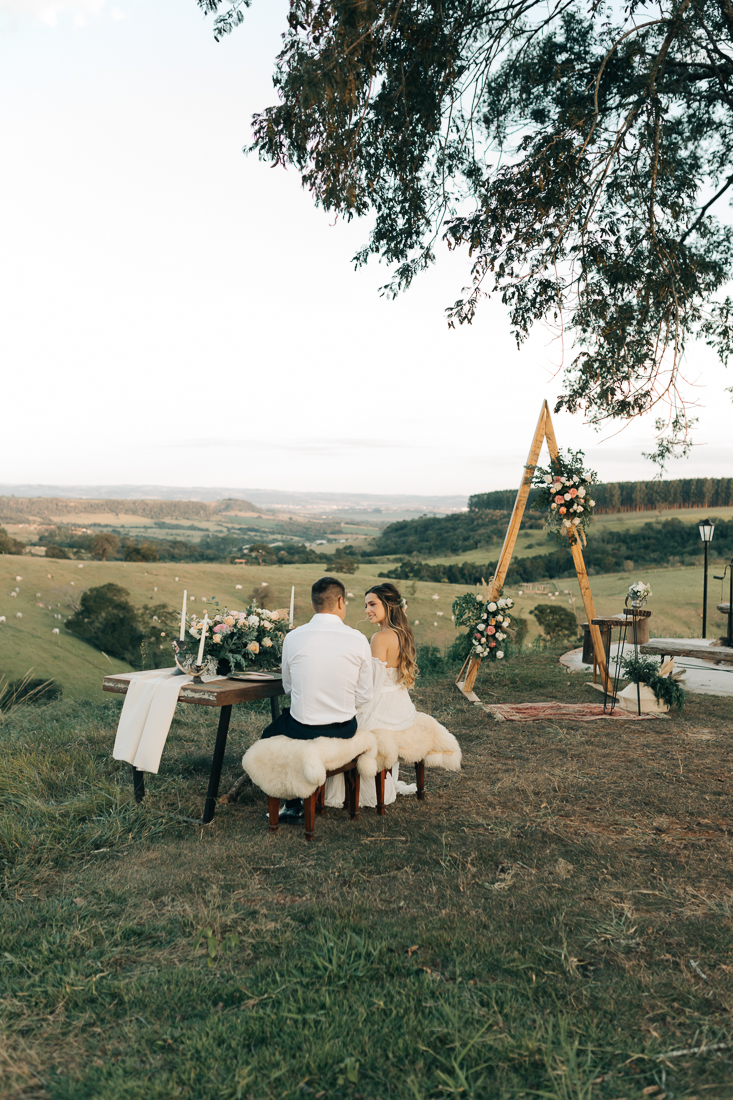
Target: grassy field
(554, 921)
(48, 588)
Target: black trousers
(287, 726)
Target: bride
(391, 714)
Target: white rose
(501, 603)
(492, 607)
(506, 622)
(576, 480)
(592, 503)
(547, 479)
(566, 523)
(581, 492)
(576, 521)
(567, 497)
(267, 642)
(253, 620)
(499, 654)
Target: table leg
(216, 764)
(619, 655)
(321, 799)
(309, 814)
(138, 784)
(275, 707)
(636, 654)
(353, 785)
(420, 779)
(379, 782)
(273, 809)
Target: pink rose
(492, 645)
(491, 630)
(559, 500)
(573, 492)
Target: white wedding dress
(390, 708)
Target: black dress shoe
(291, 815)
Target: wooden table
(216, 693)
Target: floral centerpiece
(235, 640)
(639, 593)
(565, 495)
(486, 621)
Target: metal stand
(633, 614)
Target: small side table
(217, 693)
(632, 617)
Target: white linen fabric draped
(146, 716)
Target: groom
(327, 671)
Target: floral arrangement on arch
(565, 495)
(245, 639)
(486, 621)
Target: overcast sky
(177, 313)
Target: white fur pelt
(284, 767)
(424, 740)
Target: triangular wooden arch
(544, 431)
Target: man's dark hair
(326, 591)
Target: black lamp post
(706, 534)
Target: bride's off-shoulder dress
(391, 715)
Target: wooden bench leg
(379, 783)
(353, 785)
(273, 808)
(309, 813)
(321, 799)
(420, 779)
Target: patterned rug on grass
(561, 712)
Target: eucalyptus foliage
(576, 152)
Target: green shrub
(107, 620)
(556, 622)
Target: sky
(178, 313)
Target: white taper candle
(204, 625)
(183, 616)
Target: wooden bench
(676, 647)
(315, 803)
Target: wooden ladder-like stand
(544, 431)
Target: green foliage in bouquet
(555, 622)
(645, 670)
(486, 623)
(250, 639)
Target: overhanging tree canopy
(577, 153)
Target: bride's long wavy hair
(392, 602)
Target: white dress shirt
(327, 671)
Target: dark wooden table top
(215, 693)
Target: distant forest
(669, 543)
(630, 496)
